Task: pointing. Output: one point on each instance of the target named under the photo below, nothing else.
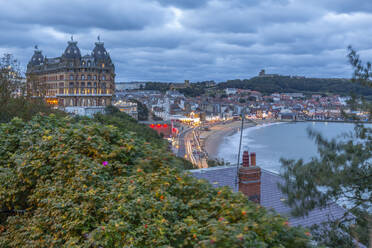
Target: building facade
(127, 107)
(72, 80)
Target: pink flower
(104, 163)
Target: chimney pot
(245, 159)
(253, 159)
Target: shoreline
(214, 138)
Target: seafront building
(72, 82)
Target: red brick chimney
(250, 178)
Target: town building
(73, 82)
(127, 107)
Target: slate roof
(271, 196)
(72, 51)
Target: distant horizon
(217, 82)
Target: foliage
(143, 112)
(78, 183)
(332, 234)
(217, 162)
(194, 90)
(342, 173)
(126, 123)
(13, 102)
(162, 87)
(287, 84)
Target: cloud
(76, 16)
(188, 4)
(173, 40)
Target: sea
(273, 141)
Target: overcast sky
(173, 40)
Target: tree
(342, 173)
(10, 78)
(143, 112)
(14, 102)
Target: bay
(273, 141)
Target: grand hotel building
(72, 80)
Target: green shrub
(79, 183)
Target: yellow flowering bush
(71, 183)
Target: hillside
(286, 84)
(80, 183)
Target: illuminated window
(103, 65)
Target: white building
(231, 91)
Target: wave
(229, 148)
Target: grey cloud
(224, 16)
(75, 16)
(188, 4)
(165, 40)
(345, 6)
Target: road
(189, 148)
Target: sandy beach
(213, 138)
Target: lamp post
(240, 146)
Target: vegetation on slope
(79, 183)
(286, 84)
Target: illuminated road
(190, 149)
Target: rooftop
(271, 196)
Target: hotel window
(71, 85)
(89, 77)
(95, 84)
(61, 77)
(89, 84)
(95, 77)
(82, 84)
(89, 63)
(71, 77)
(103, 77)
(83, 77)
